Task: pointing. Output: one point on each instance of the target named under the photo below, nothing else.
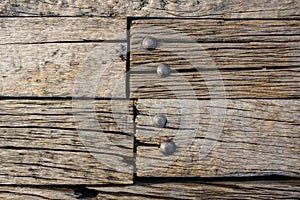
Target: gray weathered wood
(36, 193)
(51, 56)
(222, 56)
(61, 29)
(66, 142)
(215, 30)
(252, 83)
(235, 59)
(181, 8)
(204, 190)
(255, 137)
(63, 69)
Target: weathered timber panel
(216, 30)
(167, 8)
(63, 69)
(60, 29)
(204, 190)
(66, 142)
(45, 56)
(219, 137)
(234, 59)
(37, 193)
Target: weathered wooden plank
(215, 30)
(251, 83)
(219, 137)
(187, 56)
(227, 56)
(63, 69)
(53, 29)
(236, 58)
(36, 193)
(122, 8)
(204, 190)
(66, 142)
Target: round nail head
(163, 70)
(149, 43)
(160, 121)
(168, 148)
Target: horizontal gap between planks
(60, 98)
(154, 180)
(216, 69)
(131, 18)
(124, 98)
(213, 179)
(59, 16)
(66, 42)
(226, 42)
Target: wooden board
(63, 70)
(219, 138)
(215, 84)
(204, 190)
(180, 8)
(216, 59)
(55, 30)
(215, 30)
(161, 190)
(66, 142)
(57, 57)
(34, 193)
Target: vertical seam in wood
(135, 142)
(128, 59)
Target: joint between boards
(135, 141)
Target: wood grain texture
(63, 69)
(66, 142)
(53, 29)
(257, 83)
(166, 8)
(215, 30)
(219, 138)
(204, 190)
(34, 193)
(216, 58)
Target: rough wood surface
(158, 8)
(220, 137)
(215, 30)
(66, 142)
(59, 56)
(234, 59)
(63, 69)
(204, 190)
(53, 29)
(252, 83)
(34, 193)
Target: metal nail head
(160, 121)
(168, 148)
(163, 70)
(149, 43)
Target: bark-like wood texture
(219, 138)
(158, 8)
(216, 58)
(204, 190)
(54, 57)
(66, 142)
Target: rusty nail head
(159, 121)
(163, 70)
(168, 148)
(149, 43)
